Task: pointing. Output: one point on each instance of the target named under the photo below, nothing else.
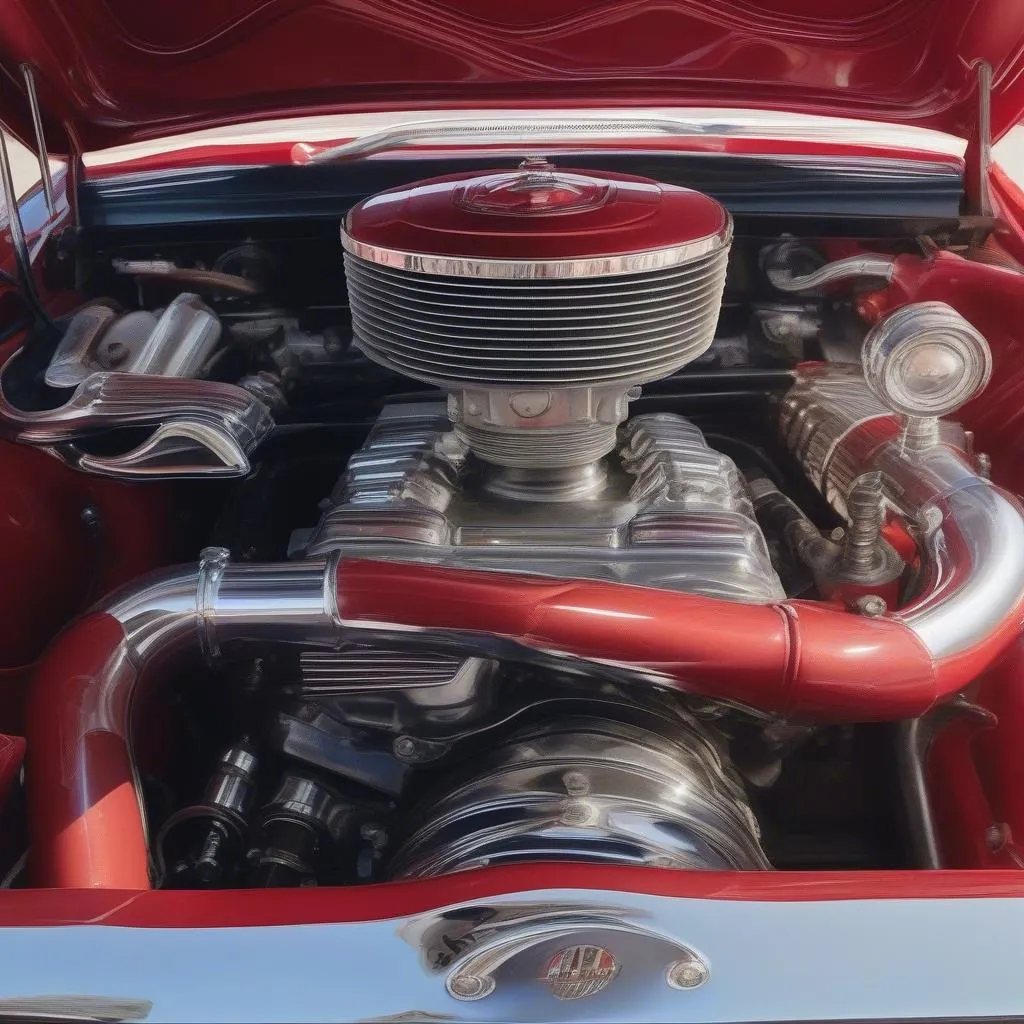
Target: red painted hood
(123, 70)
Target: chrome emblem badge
(580, 971)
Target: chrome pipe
(972, 532)
(29, 75)
(839, 270)
(218, 607)
(200, 428)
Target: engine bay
(543, 517)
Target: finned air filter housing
(538, 297)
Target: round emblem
(580, 971)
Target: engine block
(671, 512)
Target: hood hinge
(978, 157)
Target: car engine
(582, 531)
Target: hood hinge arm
(978, 156)
(28, 73)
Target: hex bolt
(871, 605)
(470, 986)
(374, 835)
(997, 836)
(866, 514)
(578, 814)
(688, 973)
(404, 748)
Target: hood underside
(117, 71)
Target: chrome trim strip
(778, 960)
(532, 270)
(566, 127)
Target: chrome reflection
(199, 427)
(971, 531)
(593, 789)
(477, 948)
(668, 510)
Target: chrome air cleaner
(539, 298)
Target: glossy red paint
(67, 539)
(959, 801)
(12, 753)
(560, 213)
(86, 824)
(265, 908)
(47, 550)
(974, 772)
(1008, 199)
(796, 658)
(123, 70)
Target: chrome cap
(925, 359)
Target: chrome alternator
(590, 789)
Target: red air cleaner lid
(535, 213)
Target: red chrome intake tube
(806, 660)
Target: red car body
(120, 72)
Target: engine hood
(117, 71)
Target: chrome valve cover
(667, 511)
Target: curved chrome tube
(88, 817)
(973, 586)
(839, 270)
(201, 427)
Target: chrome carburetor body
(671, 512)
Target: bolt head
(470, 986)
(576, 783)
(530, 404)
(688, 973)
(578, 814)
(404, 746)
(871, 605)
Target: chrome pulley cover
(588, 789)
